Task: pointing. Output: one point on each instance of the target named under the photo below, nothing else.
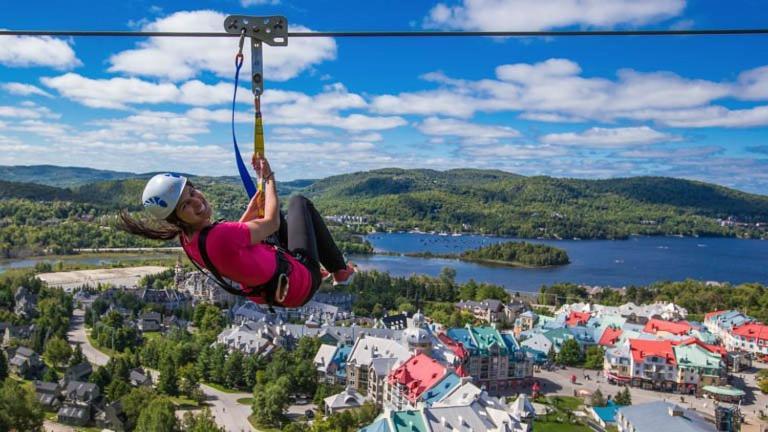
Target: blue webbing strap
(250, 187)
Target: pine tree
(168, 382)
(3, 366)
(597, 399)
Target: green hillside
(506, 204)
(36, 218)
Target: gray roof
(138, 376)
(24, 352)
(81, 388)
(46, 387)
(382, 366)
(346, 399)
(655, 416)
(456, 418)
(73, 411)
(84, 368)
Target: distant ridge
(58, 176)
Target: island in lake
(513, 253)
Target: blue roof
(461, 334)
(607, 413)
(512, 344)
(380, 425)
(441, 389)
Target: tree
(57, 351)
(270, 401)
(157, 417)
(570, 353)
(203, 422)
(135, 401)
(50, 375)
(169, 380)
(623, 397)
(594, 358)
(3, 365)
(19, 411)
(117, 389)
(597, 399)
(77, 356)
(188, 380)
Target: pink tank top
(231, 252)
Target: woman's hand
(261, 166)
(255, 208)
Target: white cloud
(516, 151)
(437, 102)
(471, 133)
(753, 84)
(28, 112)
(22, 89)
(710, 116)
(27, 51)
(671, 154)
(609, 137)
(555, 91)
(119, 93)
(184, 58)
(110, 93)
(247, 3)
(499, 15)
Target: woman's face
(193, 209)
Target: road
(559, 382)
(228, 413)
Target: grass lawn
(221, 388)
(559, 427)
(184, 402)
(245, 401)
(106, 351)
(564, 403)
(51, 416)
(152, 335)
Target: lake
(616, 263)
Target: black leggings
(305, 232)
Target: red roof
(417, 375)
(457, 347)
(752, 330)
(577, 318)
(709, 315)
(610, 336)
(675, 327)
(641, 349)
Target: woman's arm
(252, 211)
(263, 228)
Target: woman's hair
(168, 229)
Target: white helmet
(162, 193)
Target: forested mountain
(52, 175)
(35, 218)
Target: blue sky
(690, 107)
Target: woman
(268, 274)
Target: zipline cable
(566, 33)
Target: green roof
(692, 355)
(724, 391)
(408, 421)
(486, 337)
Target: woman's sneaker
(345, 275)
(324, 274)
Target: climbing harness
(272, 30)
